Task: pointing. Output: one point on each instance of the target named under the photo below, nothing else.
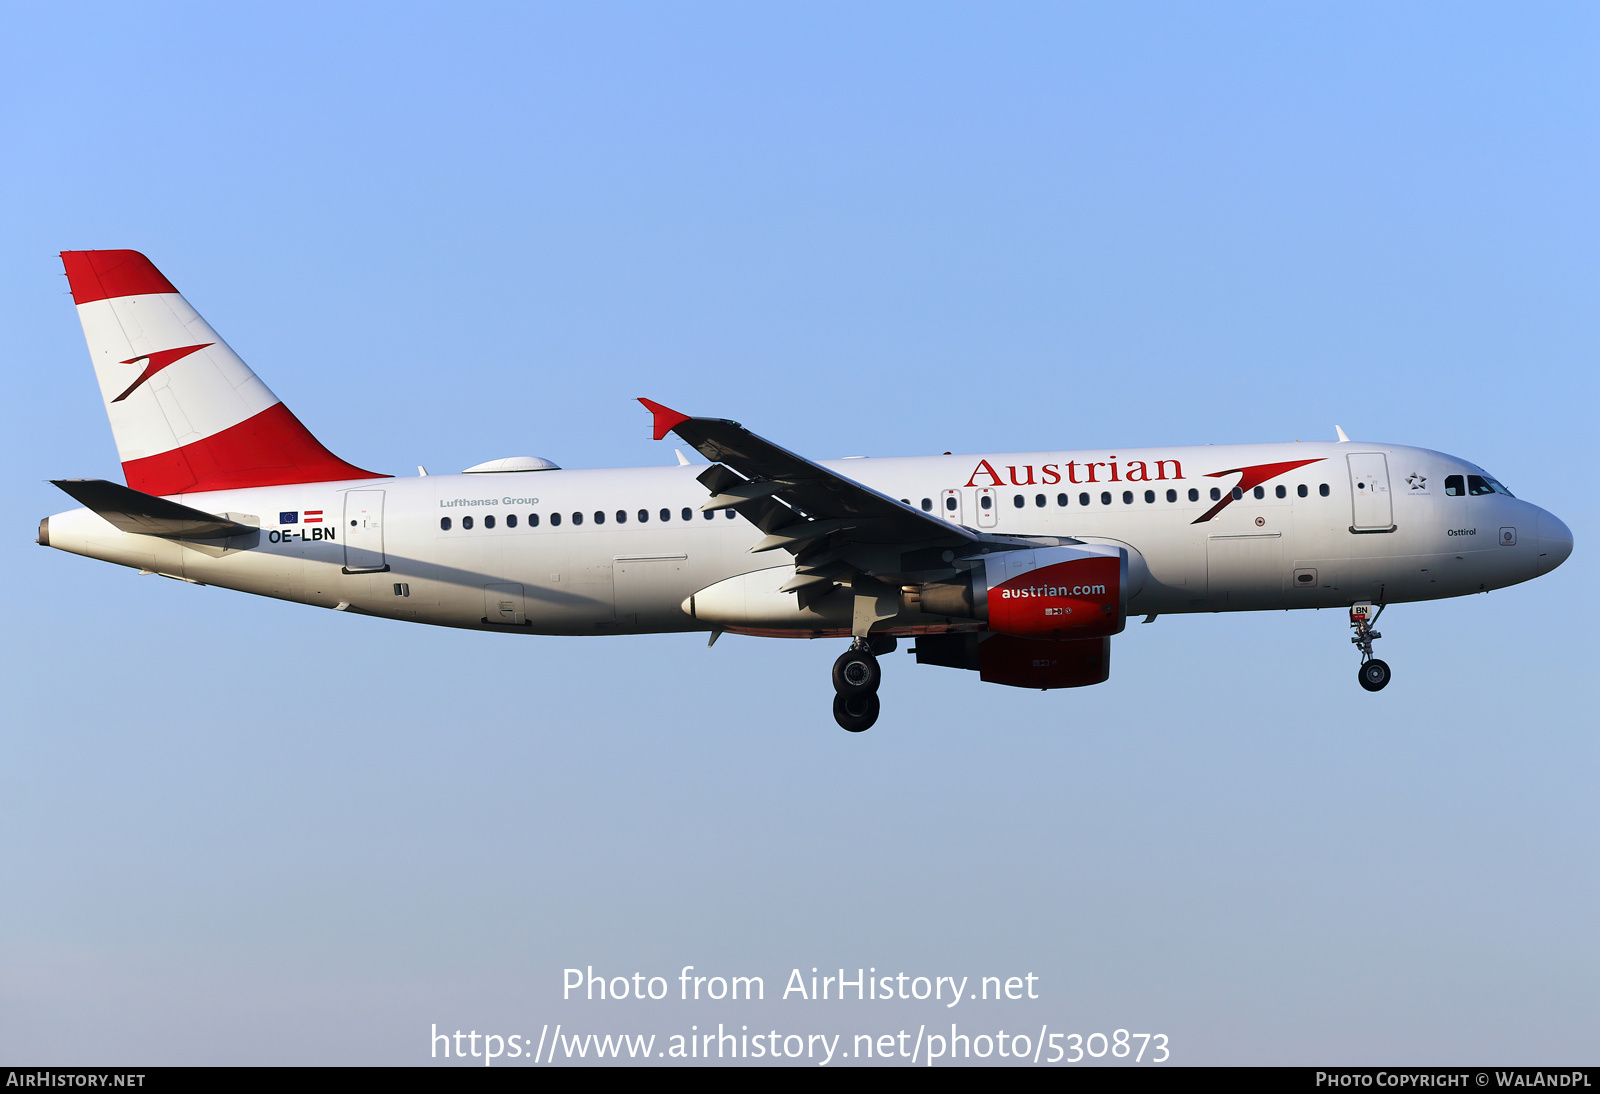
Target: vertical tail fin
(187, 413)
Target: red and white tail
(188, 415)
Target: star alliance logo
(1417, 481)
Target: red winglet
(666, 417)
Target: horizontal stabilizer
(148, 515)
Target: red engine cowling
(1077, 592)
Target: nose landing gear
(1373, 674)
(856, 677)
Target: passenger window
(599, 517)
(1038, 501)
(488, 521)
(985, 502)
(1083, 499)
(511, 520)
(1323, 489)
(1018, 501)
(1282, 491)
(1172, 495)
(466, 522)
(1105, 497)
(533, 520)
(927, 505)
(1260, 492)
(555, 520)
(1301, 490)
(1061, 500)
(666, 514)
(1455, 486)
(729, 513)
(1194, 495)
(577, 518)
(708, 514)
(1477, 487)
(1127, 497)
(950, 504)
(1149, 497)
(687, 514)
(1237, 493)
(1216, 495)
(444, 524)
(644, 516)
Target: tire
(856, 712)
(1374, 675)
(856, 673)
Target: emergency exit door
(950, 506)
(988, 507)
(1372, 506)
(363, 532)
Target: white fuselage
(1337, 535)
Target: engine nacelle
(1020, 662)
(1057, 593)
(1037, 663)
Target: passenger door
(363, 532)
(1372, 507)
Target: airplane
(1017, 566)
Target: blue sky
(241, 831)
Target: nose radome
(1555, 540)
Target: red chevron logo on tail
(155, 362)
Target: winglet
(666, 417)
(1342, 438)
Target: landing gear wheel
(857, 673)
(1374, 675)
(855, 712)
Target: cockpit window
(1454, 486)
(1478, 485)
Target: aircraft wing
(834, 526)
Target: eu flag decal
(288, 518)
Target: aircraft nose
(1555, 540)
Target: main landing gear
(856, 677)
(1373, 674)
